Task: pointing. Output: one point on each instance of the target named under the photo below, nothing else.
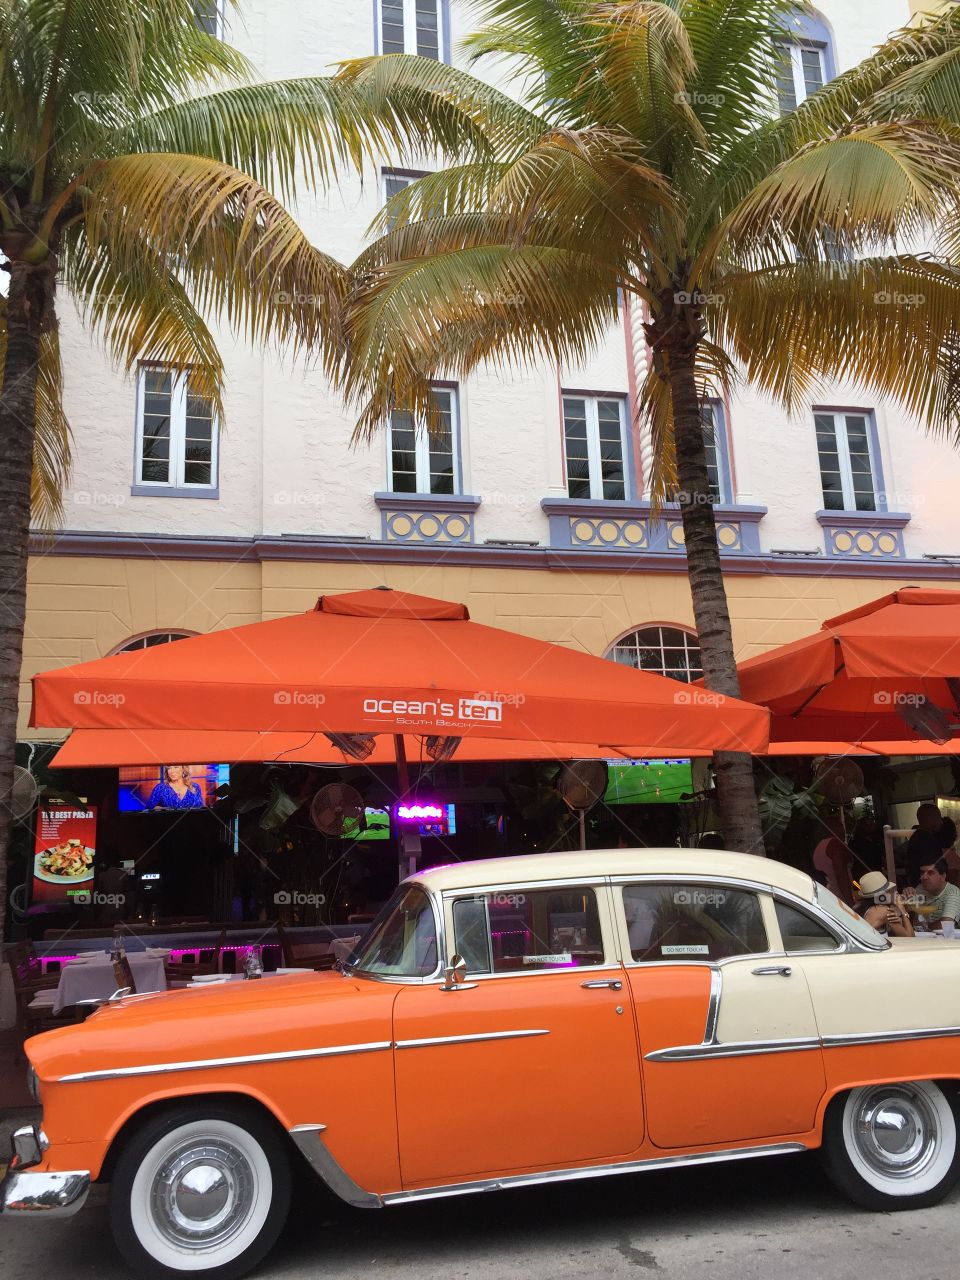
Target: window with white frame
(393, 181)
(801, 71)
(412, 26)
(715, 449)
(422, 458)
(208, 15)
(176, 432)
(668, 651)
(848, 462)
(594, 430)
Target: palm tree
(648, 156)
(140, 169)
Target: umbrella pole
(409, 836)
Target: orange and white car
(508, 1022)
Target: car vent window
(471, 931)
(692, 922)
(800, 932)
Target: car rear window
(692, 922)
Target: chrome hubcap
(895, 1129)
(202, 1193)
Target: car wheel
(203, 1189)
(893, 1146)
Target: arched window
(668, 651)
(806, 58)
(149, 639)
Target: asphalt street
(742, 1221)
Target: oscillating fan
(839, 779)
(582, 784)
(337, 810)
(23, 793)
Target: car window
(800, 932)
(846, 916)
(692, 922)
(523, 931)
(402, 941)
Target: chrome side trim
(309, 1140)
(713, 1007)
(887, 1037)
(735, 1049)
(428, 1041)
(590, 1171)
(55, 1195)
(747, 1048)
(203, 1064)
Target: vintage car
(509, 1022)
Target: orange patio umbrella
(101, 748)
(886, 675)
(380, 661)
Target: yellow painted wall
(79, 608)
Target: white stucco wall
(286, 462)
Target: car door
(532, 1062)
(726, 1029)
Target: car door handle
(614, 984)
(783, 970)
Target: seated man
(880, 905)
(941, 900)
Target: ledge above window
(172, 491)
(864, 535)
(427, 517)
(631, 526)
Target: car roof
(594, 863)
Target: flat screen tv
(164, 788)
(377, 825)
(650, 781)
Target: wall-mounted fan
(23, 794)
(582, 784)
(337, 810)
(839, 779)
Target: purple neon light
(419, 812)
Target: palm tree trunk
(27, 311)
(736, 793)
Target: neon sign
(419, 812)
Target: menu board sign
(63, 854)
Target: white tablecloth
(94, 980)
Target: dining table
(91, 977)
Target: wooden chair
(34, 992)
(304, 955)
(181, 970)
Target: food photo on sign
(64, 850)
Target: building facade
(534, 506)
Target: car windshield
(402, 941)
(848, 918)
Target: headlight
(33, 1084)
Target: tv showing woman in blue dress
(176, 790)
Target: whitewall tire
(200, 1190)
(894, 1146)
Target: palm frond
(236, 249)
(888, 325)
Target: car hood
(292, 1012)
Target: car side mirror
(454, 974)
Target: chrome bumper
(22, 1190)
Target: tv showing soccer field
(652, 781)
